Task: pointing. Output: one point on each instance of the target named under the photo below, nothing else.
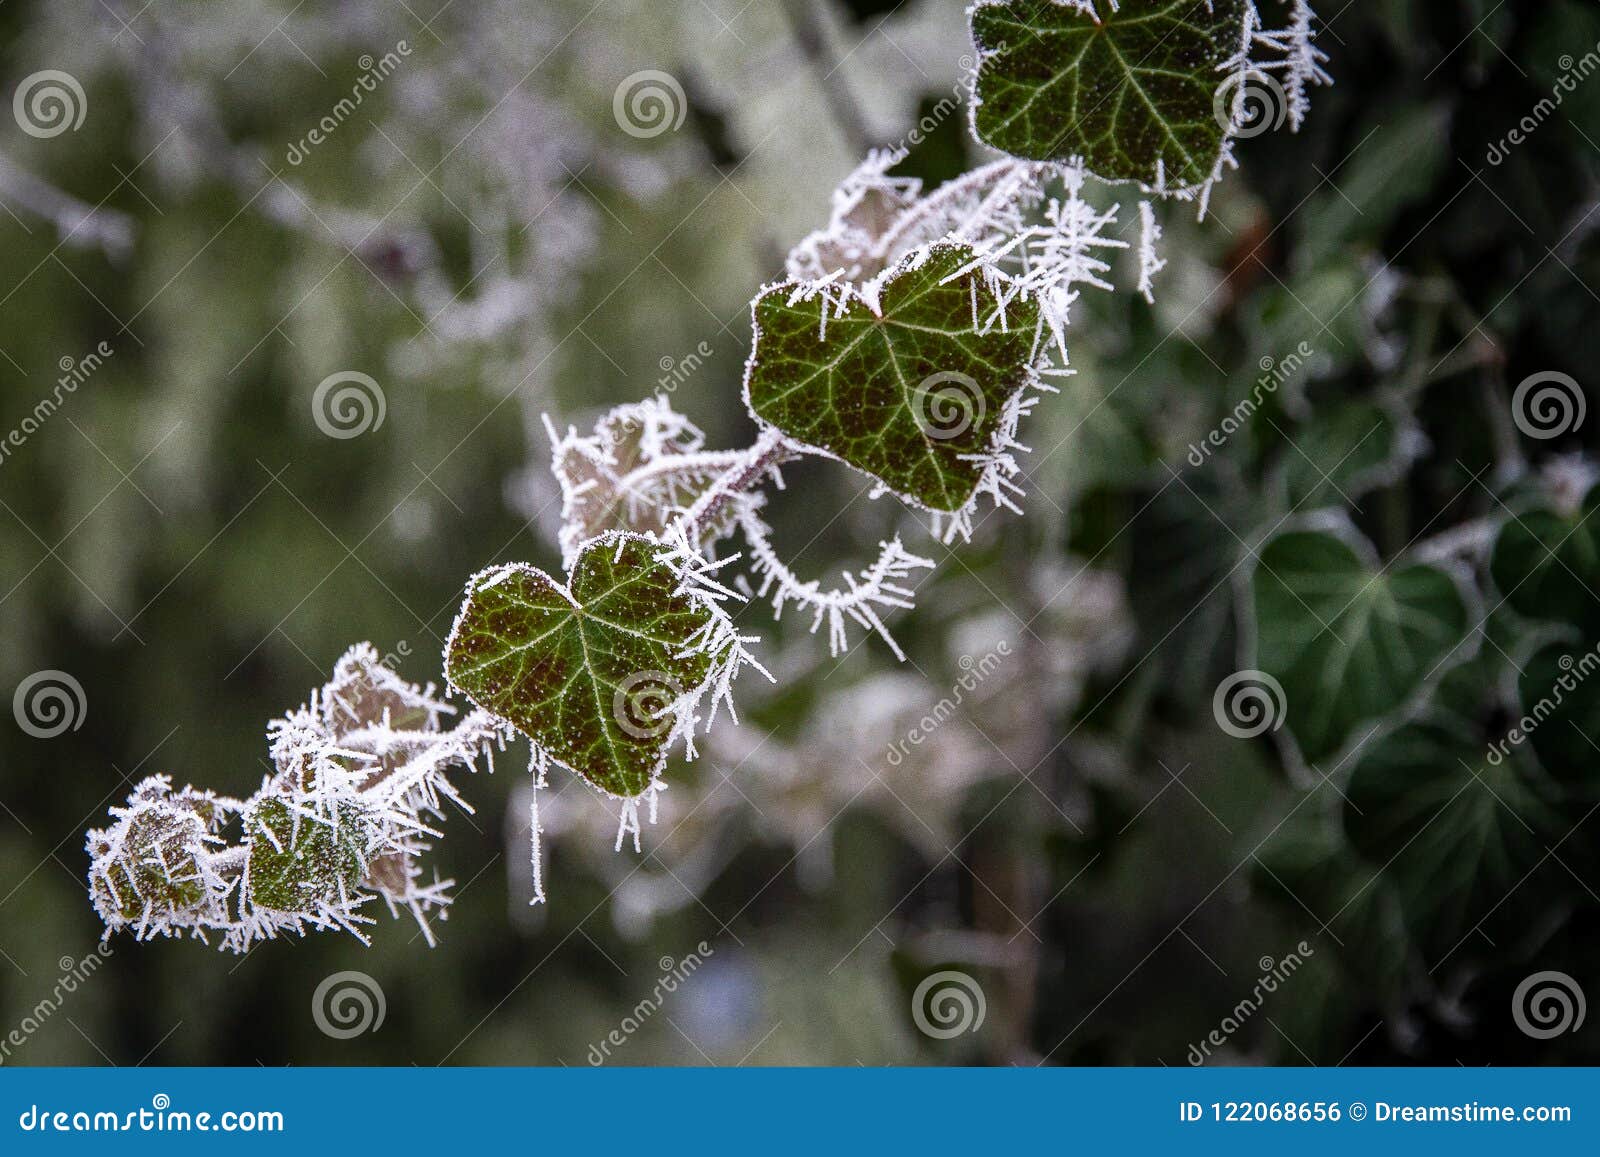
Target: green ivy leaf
(295, 863)
(1560, 692)
(171, 884)
(586, 672)
(1547, 565)
(908, 392)
(1344, 452)
(1454, 826)
(1132, 90)
(1347, 643)
(1307, 865)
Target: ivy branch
(909, 339)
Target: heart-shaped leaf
(1133, 92)
(909, 384)
(1455, 822)
(1347, 450)
(591, 672)
(1347, 642)
(1547, 564)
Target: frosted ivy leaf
(166, 838)
(913, 379)
(298, 860)
(1130, 88)
(603, 674)
(641, 466)
(359, 772)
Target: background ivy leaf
(1128, 92)
(1455, 830)
(1560, 692)
(1547, 565)
(1348, 643)
(1306, 863)
(588, 672)
(1345, 451)
(908, 392)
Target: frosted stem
(769, 450)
